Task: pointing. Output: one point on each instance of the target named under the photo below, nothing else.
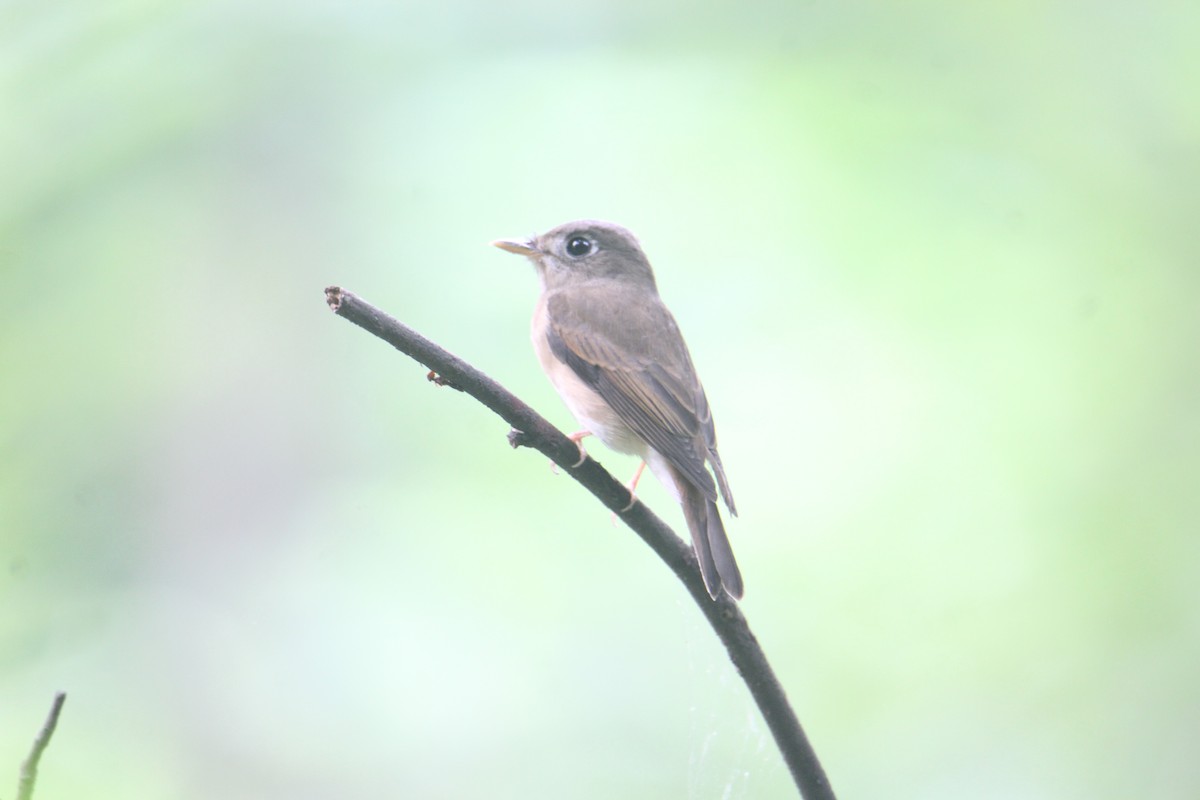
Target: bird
(615, 355)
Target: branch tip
(333, 296)
(29, 768)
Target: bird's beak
(525, 248)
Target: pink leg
(632, 486)
(577, 437)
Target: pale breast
(584, 403)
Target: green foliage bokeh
(936, 264)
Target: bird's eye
(578, 247)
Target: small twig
(530, 429)
(29, 768)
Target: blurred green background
(936, 263)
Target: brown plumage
(614, 353)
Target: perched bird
(616, 357)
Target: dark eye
(579, 247)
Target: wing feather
(657, 395)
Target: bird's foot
(632, 487)
(577, 437)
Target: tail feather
(722, 553)
(717, 565)
(722, 482)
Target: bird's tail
(717, 565)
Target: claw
(632, 487)
(577, 437)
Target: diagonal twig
(530, 429)
(29, 767)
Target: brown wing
(642, 368)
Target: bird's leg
(633, 487)
(577, 437)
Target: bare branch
(531, 430)
(29, 768)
